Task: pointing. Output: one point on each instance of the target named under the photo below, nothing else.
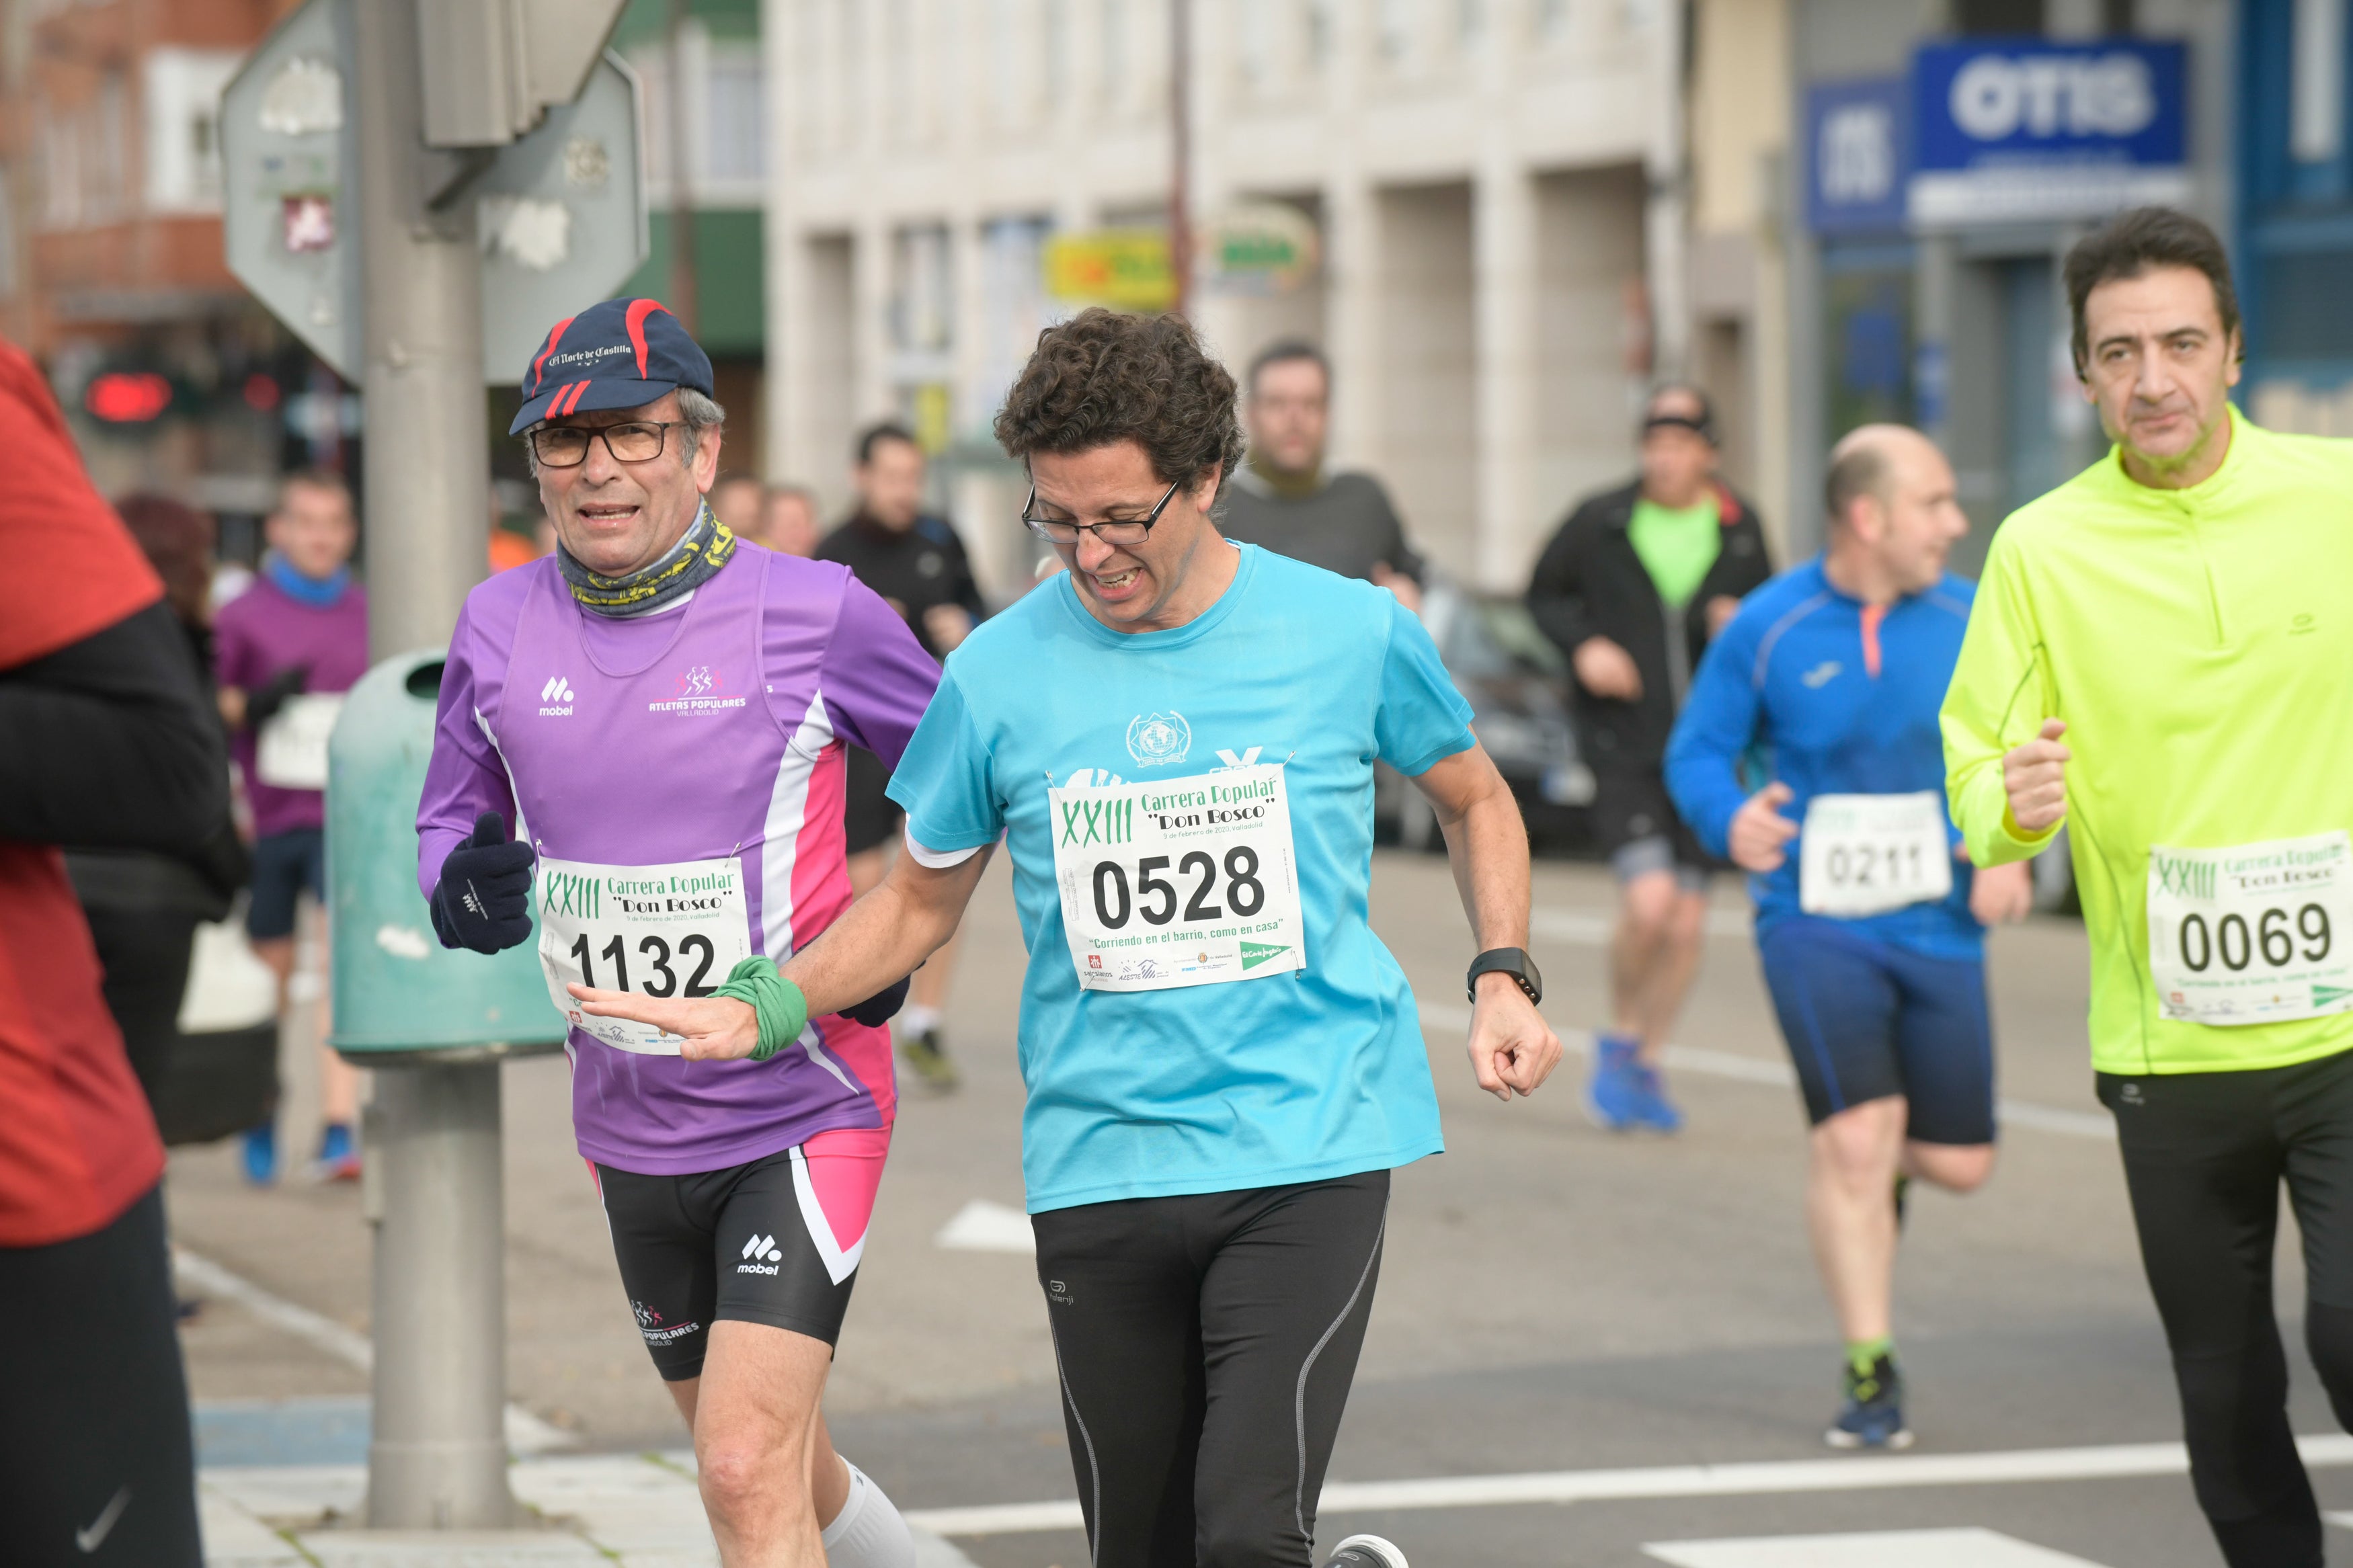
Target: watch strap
(1512, 961)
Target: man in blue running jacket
(1870, 922)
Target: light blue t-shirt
(1298, 1076)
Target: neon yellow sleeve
(2000, 696)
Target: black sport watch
(1512, 961)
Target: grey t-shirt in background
(1345, 527)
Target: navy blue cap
(618, 354)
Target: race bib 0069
(1867, 853)
(660, 930)
(1186, 881)
(2254, 934)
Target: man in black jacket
(918, 564)
(1632, 587)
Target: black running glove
(262, 705)
(879, 1009)
(483, 900)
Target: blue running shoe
(1874, 1414)
(262, 1155)
(339, 1156)
(1613, 1097)
(1652, 1109)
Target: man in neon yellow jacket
(2161, 656)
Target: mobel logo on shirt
(555, 699)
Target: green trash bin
(398, 993)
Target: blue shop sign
(2022, 129)
(1858, 156)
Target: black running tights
(1206, 1346)
(2204, 1156)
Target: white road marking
(526, 1432)
(1591, 928)
(1866, 1549)
(1761, 1070)
(985, 1227)
(1775, 1477)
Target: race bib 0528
(1186, 881)
(1867, 853)
(2254, 934)
(660, 930)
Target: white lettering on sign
(1995, 96)
(1858, 154)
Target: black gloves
(483, 900)
(262, 705)
(879, 1009)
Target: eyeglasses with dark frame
(1114, 531)
(566, 445)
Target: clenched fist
(2035, 778)
(1606, 669)
(1760, 833)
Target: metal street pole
(1180, 150)
(438, 1456)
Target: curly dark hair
(1103, 376)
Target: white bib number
(291, 751)
(1183, 882)
(1868, 854)
(2255, 934)
(659, 930)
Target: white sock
(868, 1533)
(915, 1018)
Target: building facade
(1496, 189)
(112, 270)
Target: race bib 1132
(1187, 881)
(660, 930)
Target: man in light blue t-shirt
(1175, 739)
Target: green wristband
(782, 1010)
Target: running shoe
(1614, 1099)
(339, 1156)
(1366, 1552)
(1873, 1416)
(262, 1155)
(1652, 1109)
(929, 1059)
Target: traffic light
(494, 67)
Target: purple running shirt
(710, 732)
(264, 630)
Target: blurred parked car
(1517, 685)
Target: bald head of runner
(1895, 512)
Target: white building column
(871, 392)
(1666, 225)
(1352, 314)
(1504, 281)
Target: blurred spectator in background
(285, 651)
(1633, 587)
(735, 500)
(109, 745)
(143, 907)
(787, 521)
(918, 564)
(1283, 499)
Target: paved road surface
(1608, 1315)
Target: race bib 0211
(1188, 881)
(1867, 853)
(2254, 934)
(660, 930)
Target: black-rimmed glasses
(1113, 531)
(566, 445)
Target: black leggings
(1206, 1344)
(96, 1465)
(2204, 1156)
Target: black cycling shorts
(775, 1240)
(285, 865)
(1206, 1344)
(1635, 823)
(97, 1464)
